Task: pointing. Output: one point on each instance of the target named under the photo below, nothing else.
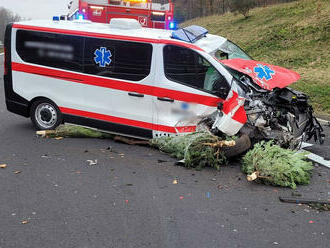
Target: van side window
(117, 59)
(186, 66)
(48, 49)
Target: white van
(138, 82)
(117, 77)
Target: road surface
(129, 200)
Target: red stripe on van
(106, 36)
(117, 85)
(129, 122)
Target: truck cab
(149, 13)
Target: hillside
(294, 35)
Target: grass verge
(294, 35)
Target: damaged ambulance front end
(261, 104)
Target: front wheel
(45, 115)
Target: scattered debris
(92, 162)
(181, 197)
(271, 164)
(59, 138)
(160, 161)
(175, 181)
(322, 205)
(3, 166)
(17, 172)
(295, 193)
(24, 222)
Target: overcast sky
(36, 9)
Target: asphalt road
(128, 198)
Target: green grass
(294, 35)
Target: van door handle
(135, 94)
(165, 99)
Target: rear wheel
(45, 115)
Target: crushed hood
(265, 75)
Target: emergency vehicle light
(190, 34)
(172, 25)
(97, 7)
(137, 1)
(56, 18)
(158, 13)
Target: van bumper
(18, 108)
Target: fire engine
(149, 13)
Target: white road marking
(318, 159)
(325, 122)
(314, 157)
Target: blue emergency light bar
(172, 25)
(190, 34)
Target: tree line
(188, 9)
(6, 16)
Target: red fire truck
(150, 13)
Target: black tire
(242, 145)
(45, 115)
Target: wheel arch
(40, 98)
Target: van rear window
(103, 57)
(48, 49)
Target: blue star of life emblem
(102, 57)
(264, 71)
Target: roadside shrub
(242, 6)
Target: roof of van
(208, 43)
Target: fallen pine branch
(270, 164)
(74, 131)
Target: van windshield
(228, 50)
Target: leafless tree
(6, 17)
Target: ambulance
(145, 83)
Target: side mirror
(219, 88)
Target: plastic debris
(92, 162)
(175, 181)
(3, 166)
(17, 172)
(24, 222)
